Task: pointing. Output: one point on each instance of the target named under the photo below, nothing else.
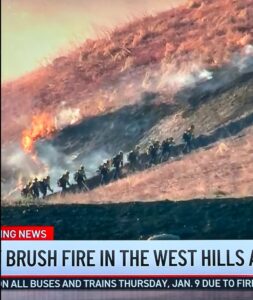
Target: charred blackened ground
(119, 130)
(221, 104)
(223, 218)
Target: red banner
(28, 233)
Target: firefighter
(25, 192)
(34, 188)
(148, 153)
(188, 137)
(44, 186)
(191, 130)
(63, 182)
(134, 158)
(154, 152)
(82, 171)
(167, 145)
(104, 173)
(109, 163)
(117, 162)
(121, 156)
(30, 188)
(80, 178)
(138, 157)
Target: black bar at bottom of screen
(241, 283)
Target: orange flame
(42, 126)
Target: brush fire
(189, 65)
(42, 125)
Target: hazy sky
(33, 30)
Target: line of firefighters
(156, 152)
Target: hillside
(148, 54)
(149, 79)
(222, 170)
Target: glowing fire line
(42, 125)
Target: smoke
(248, 50)
(188, 77)
(244, 62)
(56, 161)
(59, 162)
(67, 116)
(172, 80)
(222, 78)
(17, 169)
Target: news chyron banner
(32, 259)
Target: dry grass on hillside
(201, 31)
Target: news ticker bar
(121, 258)
(134, 283)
